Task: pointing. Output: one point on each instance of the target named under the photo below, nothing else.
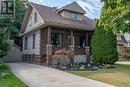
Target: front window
(7, 7)
(82, 41)
(72, 15)
(57, 39)
(26, 43)
(34, 37)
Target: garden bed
(84, 66)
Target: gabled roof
(73, 7)
(50, 17)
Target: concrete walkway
(124, 62)
(41, 76)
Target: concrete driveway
(123, 62)
(41, 76)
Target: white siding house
(34, 21)
(30, 49)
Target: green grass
(8, 79)
(119, 76)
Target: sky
(92, 7)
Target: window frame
(72, 15)
(34, 41)
(35, 17)
(25, 43)
(55, 41)
(82, 42)
(30, 20)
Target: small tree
(4, 43)
(97, 44)
(103, 44)
(110, 42)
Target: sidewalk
(123, 62)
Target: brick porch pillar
(87, 48)
(49, 54)
(49, 47)
(72, 45)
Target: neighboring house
(6, 7)
(14, 55)
(127, 37)
(47, 29)
(123, 44)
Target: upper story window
(72, 15)
(57, 39)
(26, 43)
(35, 17)
(128, 44)
(7, 7)
(34, 41)
(30, 20)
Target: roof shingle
(50, 17)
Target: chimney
(55, 7)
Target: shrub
(103, 44)
(4, 43)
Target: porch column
(49, 47)
(49, 35)
(72, 45)
(87, 48)
(87, 34)
(72, 39)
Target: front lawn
(119, 76)
(8, 79)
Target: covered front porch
(55, 38)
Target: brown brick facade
(47, 49)
(31, 58)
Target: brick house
(123, 45)
(47, 29)
(6, 7)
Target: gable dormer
(34, 20)
(72, 11)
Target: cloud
(92, 7)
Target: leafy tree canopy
(9, 27)
(115, 15)
(13, 22)
(4, 42)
